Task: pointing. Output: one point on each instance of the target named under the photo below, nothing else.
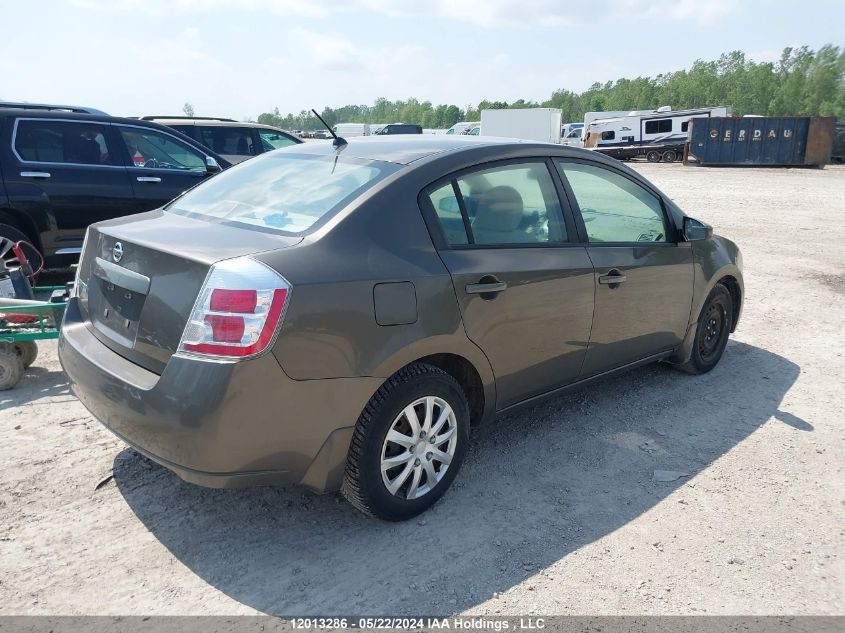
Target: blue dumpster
(752, 140)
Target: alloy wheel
(419, 447)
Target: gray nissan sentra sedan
(341, 317)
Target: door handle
(35, 174)
(613, 278)
(148, 179)
(483, 288)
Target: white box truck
(533, 124)
(347, 130)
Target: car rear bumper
(218, 424)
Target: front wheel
(408, 444)
(711, 335)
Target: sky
(239, 58)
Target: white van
(461, 127)
(347, 130)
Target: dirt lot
(556, 510)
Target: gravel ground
(556, 511)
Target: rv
(589, 117)
(534, 124)
(347, 130)
(657, 127)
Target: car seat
(498, 216)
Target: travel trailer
(589, 117)
(658, 127)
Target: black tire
(363, 484)
(28, 351)
(669, 156)
(11, 367)
(653, 156)
(712, 331)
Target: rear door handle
(612, 279)
(148, 179)
(35, 174)
(475, 289)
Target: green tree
(802, 82)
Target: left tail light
(80, 287)
(238, 312)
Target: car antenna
(338, 141)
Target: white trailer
(656, 127)
(346, 130)
(534, 124)
(589, 117)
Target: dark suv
(400, 128)
(63, 170)
(233, 140)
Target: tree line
(803, 82)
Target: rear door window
(506, 205)
(270, 140)
(236, 141)
(187, 130)
(156, 150)
(71, 142)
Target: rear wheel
(14, 234)
(669, 156)
(11, 367)
(28, 351)
(711, 336)
(408, 444)
(653, 156)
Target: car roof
(405, 149)
(49, 107)
(210, 122)
(105, 118)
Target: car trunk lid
(141, 276)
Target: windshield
(283, 193)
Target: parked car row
(348, 130)
(65, 167)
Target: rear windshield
(283, 193)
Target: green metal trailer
(20, 327)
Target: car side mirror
(211, 165)
(449, 205)
(695, 230)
